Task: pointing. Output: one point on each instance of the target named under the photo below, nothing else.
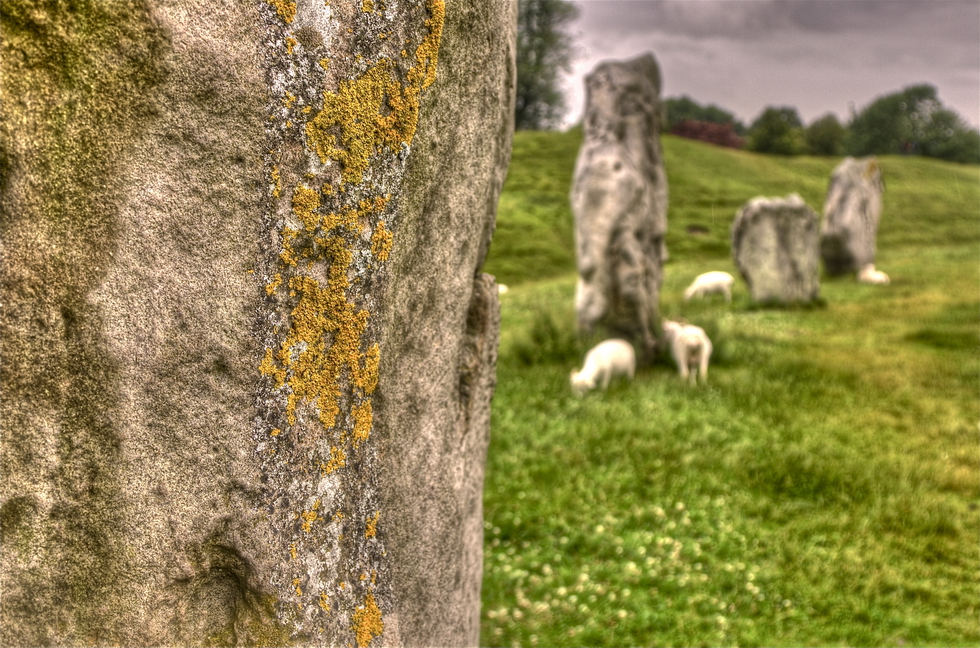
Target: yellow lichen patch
(324, 63)
(367, 6)
(276, 183)
(366, 377)
(427, 53)
(305, 201)
(289, 100)
(367, 622)
(324, 601)
(337, 460)
(272, 285)
(268, 367)
(381, 240)
(299, 590)
(363, 418)
(372, 525)
(290, 44)
(292, 551)
(287, 255)
(321, 314)
(285, 8)
(275, 432)
(358, 107)
(309, 517)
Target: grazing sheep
(607, 360)
(691, 349)
(711, 282)
(867, 274)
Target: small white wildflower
(621, 614)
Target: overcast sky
(819, 56)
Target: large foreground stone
(248, 353)
(774, 242)
(619, 198)
(851, 214)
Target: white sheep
(867, 274)
(691, 349)
(607, 360)
(711, 282)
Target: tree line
(911, 121)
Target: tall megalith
(851, 213)
(619, 199)
(774, 243)
(248, 352)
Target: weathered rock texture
(774, 242)
(851, 213)
(619, 198)
(248, 353)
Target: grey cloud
(758, 19)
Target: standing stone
(774, 242)
(248, 353)
(851, 214)
(619, 198)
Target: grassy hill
(823, 489)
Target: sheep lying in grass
(869, 275)
(607, 360)
(711, 282)
(691, 349)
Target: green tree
(686, 109)
(777, 130)
(544, 50)
(913, 121)
(825, 136)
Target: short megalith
(619, 198)
(851, 214)
(774, 242)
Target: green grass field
(822, 489)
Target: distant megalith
(774, 242)
(248, 352)
(619, 199)
(848, 234)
